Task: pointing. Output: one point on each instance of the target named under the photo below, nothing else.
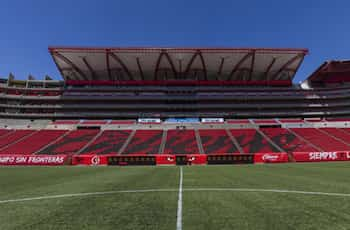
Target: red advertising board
(196, 159)
(321, 156)
(165, 159)
(45, 160)
(92, 160)
(270, 157)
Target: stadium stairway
(233, 139)
(162, 145)
(199, 141)
(91, 141)
(126, 143)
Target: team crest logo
(95, 160)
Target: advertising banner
(270, 157)
(321, 156)
(45, 160)
(92, 160)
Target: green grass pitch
(201, 209)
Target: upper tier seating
(252, 141)
(217, 141)
(145, 142)
(181, 142)
(338, 133)
(34, 142)
(109, 142)
(71, 143)
(323, 141)
(287, 140)
(14, 136)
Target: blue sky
(29, 27)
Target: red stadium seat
(181, 142)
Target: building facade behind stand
(131, 83)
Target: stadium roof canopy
(247, 64)
(331, 72)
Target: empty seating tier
(322, 140)
(34, 142)
(181, 142)
(14, 136)
(109, 142)
(252, 141)
(71, 143)
(4, 132)
(145, 142)
(287, 140)
(216, 141)
(338, 133)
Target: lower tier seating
(216, 141)
(287, 140)
(181, 142)
(14, 136)
(71, 143)
(252, 141)
(4, 132)
(109, 142)
(338, 133)
(320, 139)
(145, 142)
(34, 142)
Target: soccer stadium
(244, 147)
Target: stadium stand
(322, 140)
(109, 142)
(216, 103)
(287, 140)
(34, 142)
(338, 133)
(251, 141)
(144, 142)
(217, 141)
(70, 143)
(181, 142)
(14, 137)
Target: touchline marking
(179, 204)
(174, 190)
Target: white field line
(86, 194)
(174, 190)
(179, 204)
